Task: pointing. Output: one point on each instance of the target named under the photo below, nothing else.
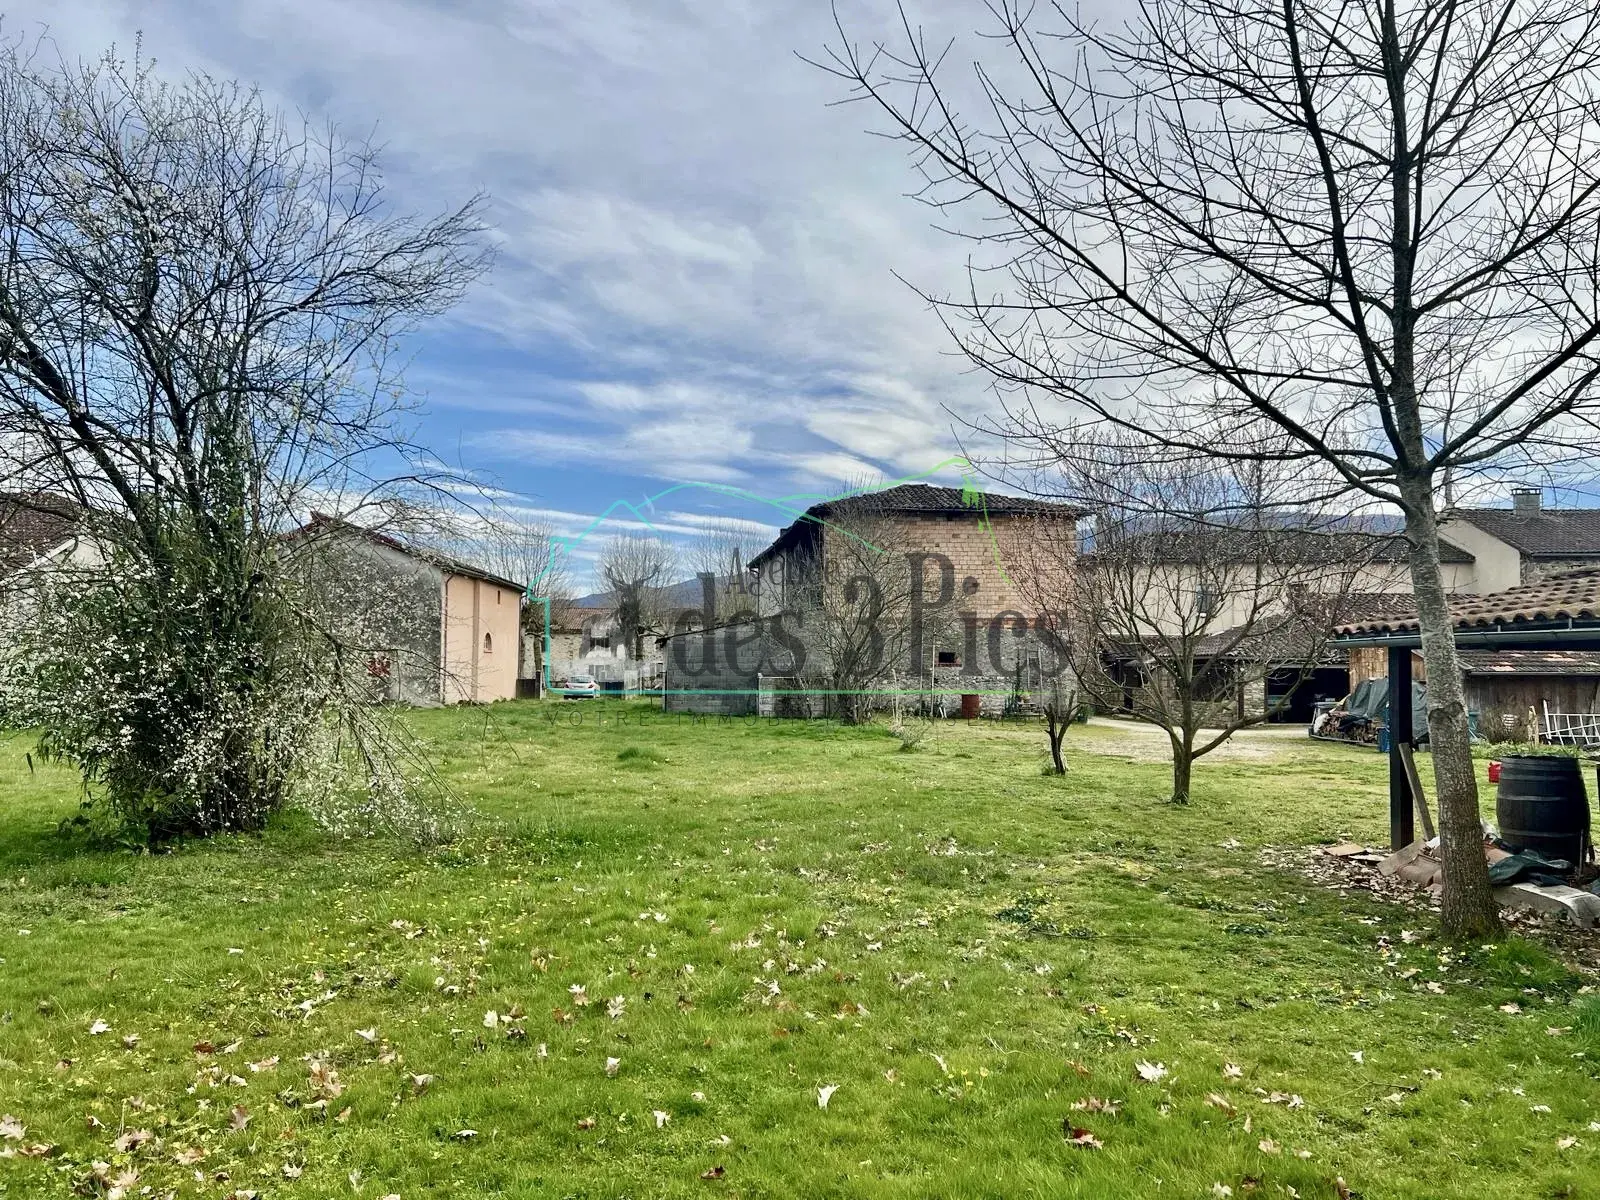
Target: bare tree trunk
(1182, 767)
(1467, 907)
(1057, 730)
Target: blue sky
(696, 252)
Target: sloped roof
(33, 523)
(916, 499)
(1197, 541)
(321, 523)
(1548, 533)
(1530, 662)
(1570, 595)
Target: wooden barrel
(1541, 805)
(971, 707)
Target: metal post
(1401, 827)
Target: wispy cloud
(696, 253)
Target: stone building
(432, 629)
(1523, 543)
(924, 577)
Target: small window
(949, 658)
(488, 643)
(1208, 601)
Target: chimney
(1527, 501)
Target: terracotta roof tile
(1570, 595)
(1549, 533)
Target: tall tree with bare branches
(198, 304)
(637, 569)
(1194, 590)
(1365, 226)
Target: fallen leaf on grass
(721, 1139)
(1231, 1071)
(265, 1064)
(585, 1122)
(1566, 1143)
(1219, 1101)
(420, 1083)
(368, 1035)
(1221, 1191)
(714, 1173)
(1081, 1137)
(1287, 1099)
(1513, 1007)
(131, 1139)
(1151, 1072)
(464, 1135)
(290, 1171)
(238, 1116)
(130, 1040)
(1268, 1146)
(12, 1129)
(661, 1117)
(98, 1028)
(1358, 1056)
(188, 1156)
(1096, 1105)
(825, 1093)
(613, 1065)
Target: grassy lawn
(966, 950)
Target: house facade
(924, 578)
(1523, 543)
(431, 629)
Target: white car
(579, 687)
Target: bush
(193, 707)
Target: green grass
(962, 946)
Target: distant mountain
(684, 594)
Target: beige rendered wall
(476, 669)
(1498, 565)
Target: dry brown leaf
(1082, 1138)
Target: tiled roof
(1530, 662)
(1357, 607)
(921, 498)
(32, 524)
(1549, 533)
(1195, 541)
(1571, 595)
(322, 524)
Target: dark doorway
(1299, 703)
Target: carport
(1560, 612)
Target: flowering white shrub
(194, 708)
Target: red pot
(1494, 772)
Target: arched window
(488, 643)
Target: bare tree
(1060, 701)
(855, 598)
(636, 569)
(721, 551)
(1194, 592)
(198, 301)
(1365, 226)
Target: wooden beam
(1402, 830)
(1419, 796)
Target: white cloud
(696, 251)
